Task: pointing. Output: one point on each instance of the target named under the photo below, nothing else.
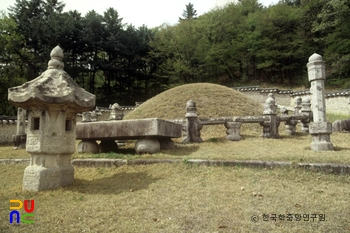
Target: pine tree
(189, 13)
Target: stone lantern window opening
(69, 125)
(35, 123)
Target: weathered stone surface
(20, 138)
(245, 163)
(54, 87)
(193, 126)
(320, 129)
(147, 146)
(340, 125)
(270, 107)
(128, 129)
(152, 161)
(14, 161)
(116, 113)
(45, 172)
(233, 131)
(306, 110)
(99, 162)
(52, 101)
(270, 127)
(88, 146)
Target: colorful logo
(28, 217)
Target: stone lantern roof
(53, 88)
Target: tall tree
(189, 12)
(40, 23)
(94, 34)
(334, 29)
(12, 67)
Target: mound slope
(212, 101)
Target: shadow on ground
(338, 148)
(182, 149)
(118, 183)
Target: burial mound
(212, 101)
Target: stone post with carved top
(193, 127)
(270, 126)
(52, 101)
(319, 129)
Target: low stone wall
(7, 129)
(336, 102)
(260, 94)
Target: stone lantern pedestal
(52, 101)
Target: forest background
(243, 43)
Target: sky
(152, 13)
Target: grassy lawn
(189, 198)
(182, 198)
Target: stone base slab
(38, 178)
(321, 142)
(128, 129)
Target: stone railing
(259, 94)
(269, 121)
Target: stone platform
(152, 134)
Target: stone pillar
(297, 107)
(86, 116)
(116, 113)
(270, 127)
(52, 100)
(233, 131)
(290, 127)
(192, 124)
(94, 116)
(291, 124)
(306, 111)
(320, 129)
(20, 138)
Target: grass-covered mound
(212, 101)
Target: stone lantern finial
(56, 59)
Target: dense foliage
(241, 43)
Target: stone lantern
(52, 101)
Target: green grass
(180, 198)
(333, 117)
